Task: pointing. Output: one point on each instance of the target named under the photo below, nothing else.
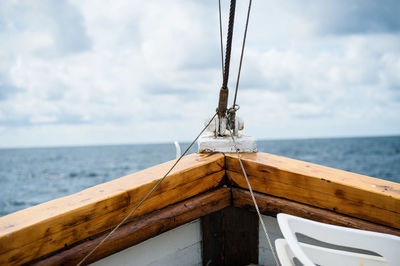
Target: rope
(220, 38)
(241, 55)
(148, 195)
(253, 198)
(229, 43)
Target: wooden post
(230, 237)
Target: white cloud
(134, 71)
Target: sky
(113, 72)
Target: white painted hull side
(182, 246)
(179, 246)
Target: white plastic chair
(387, 246)
(326, 256)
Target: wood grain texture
(270, 205)
(312, 191)
(143, 228)
(230, 237)
(351, 194)
(39, 230)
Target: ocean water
(32, 176)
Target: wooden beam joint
(206, 184)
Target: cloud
(7, 88)
(50, 28)
(135, 71)
(355, 17)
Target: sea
(34, 175)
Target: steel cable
(147, 196)
(220, 38)
(253, 198)
(241, 55)
(229, 43)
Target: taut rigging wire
(223, 93)
(233, 139)
(229, 43)
(223, 97)
(220, 38)
(147, 195)
(253, 198)
(241, 55)
(225, 76)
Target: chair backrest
(326, 256)
(284, 253)
(387, 246)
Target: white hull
(182, 246)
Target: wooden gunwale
(40, 230)
(343, 192)
(281, 184)
(271, 206)
(142, 229)
(202, 205)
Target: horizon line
(187, 141)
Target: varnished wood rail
(271, 206)
(65, 229)
(355, 195)
(143, 228)
(37, 231)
